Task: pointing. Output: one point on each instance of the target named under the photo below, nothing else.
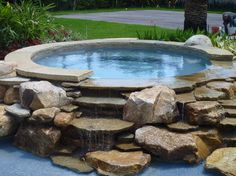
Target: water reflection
(128, 63)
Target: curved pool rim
(26, 67)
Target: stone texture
(228, 123)
(154, 105)
(6, 68)
(39, 140)
(8, 124)
(206, 94)
(207, 141)
(13, 81)
(126, 138)
(18, 110)
(3, 90)
(42, 94)
(69, 108)
(185, 98)
(201, 40)
(231, 104)
(226, 87)
(204, 113)
(63, 119)
(71, 163)
(182, 127)
(118, 163)
(229, 137)
(230, 112)
(223, 160)
(45, 115)
(11, 95)
(128, 147)
(166, 145)
(74, 94)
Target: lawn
(99, 29)
(128, 9)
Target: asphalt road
(168, 19)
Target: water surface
(128, 63)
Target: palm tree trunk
(196, 15)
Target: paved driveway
(168, 19)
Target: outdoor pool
(128, 62)
(16, 162)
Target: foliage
(225, 42)
(176, 35)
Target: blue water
(127, 63)
(15, 162)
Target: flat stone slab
(178, 85)
(185, 98)
(101, 102)
(229, 138)
(228, 122)
(101, 125)
(71, 163)
(117, 84)
(231, 112)
(13, 81)
(18, 110)
(182, 127)
(127, 147)
(223, 160)
(126, 138)
(118, 163)
(205, 94)
(231, 104)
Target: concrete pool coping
(28, 68)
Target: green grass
(99, 29)
(128, 9)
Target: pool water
(15, 162)
(128, 63)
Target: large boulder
(8, 123)
(204, 113)
(154, 105)
(7, 68)
(223, 160)
(42, 94)
(39, 140)
(201, 40)
(167, 145)
(118, 163)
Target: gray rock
(18, 110)
(154, 105)
(42, 94)
(199, 40)
(6, 68)
(13, 81)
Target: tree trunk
(196, 15)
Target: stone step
(101, 106)
(231, 104)
(228, 123)
(102, 102)
(230, 112)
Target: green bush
(176, 35)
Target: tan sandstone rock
(63, 119)
(45, 115)
(166, 145)
(154, 105)
(204, 113)
(223, 160)
(11, 95)
(118, 163)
